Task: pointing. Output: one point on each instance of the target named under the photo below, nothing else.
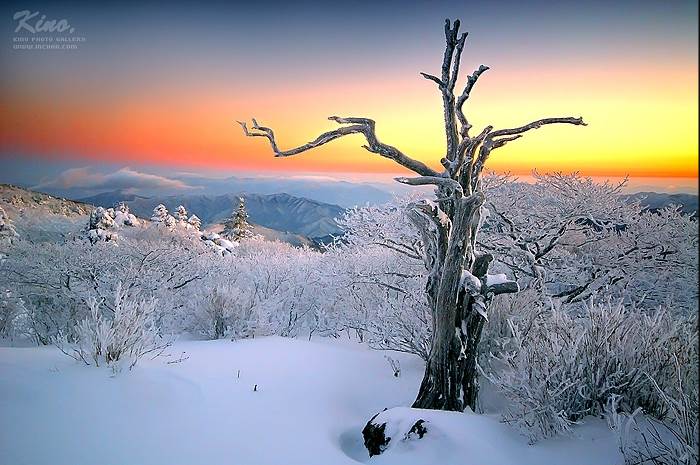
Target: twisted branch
(538, 124)
(364, 126)
(471, 80)
(441, 181)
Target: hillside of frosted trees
(604, 322)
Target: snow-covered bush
(13, 316)
(558, 367)
(8, 233)
(116, 337)
(381, 297)
(286, 285)
(225, 311)
(56, 280)
(379, 279)
(647, 440)
(221, 246)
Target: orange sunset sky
(167, 89)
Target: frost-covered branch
(362, 126)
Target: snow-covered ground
(311, 402)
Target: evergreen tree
(229, 227)
(160, 213)
(195, 222)
(181, 214)
(100, 224)
(237, 227)
(121, 207)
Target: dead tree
(458, 287)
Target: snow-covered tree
(101, 226)
(122, 216)
(181, 214)
(159, 213)
(575, 238)
(457, 288)
(236, 227)
(530, 226)
(220, 245)
(103, 223)
(162, 217)
(195, 222)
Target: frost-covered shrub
(646, 440)
(285, 284)
(558, 367)
(520, 307)
(13, 316)
(382, 298)
(56, 280)
(8, 233)
(379, 278)
(225, 311)
(122, 336)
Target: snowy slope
(312, 401)
(41, 217)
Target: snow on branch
(435, 180)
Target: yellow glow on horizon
(637, 124)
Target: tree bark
(457, 287)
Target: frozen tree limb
(435, 180)
(538, 124)
(471, 80)
(362, 126)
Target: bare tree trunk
(458, 288)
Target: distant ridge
(282, 212)
(655, 201)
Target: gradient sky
(162, 85)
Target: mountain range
(281, 212)
(654, 201)
(280, 216)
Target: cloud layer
(122, 179)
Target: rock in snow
(392, 425)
